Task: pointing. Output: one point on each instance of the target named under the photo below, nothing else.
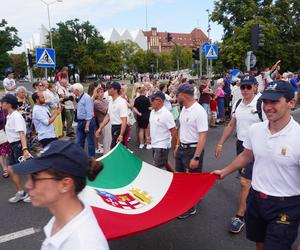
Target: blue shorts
(273, 221)
(246, 171)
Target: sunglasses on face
(246, 87)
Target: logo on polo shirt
(283, 151)
(283, 219)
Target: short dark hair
(35, 96)
(162, 86)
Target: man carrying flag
(192, 135)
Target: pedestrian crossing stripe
(45, 58)
(211, 52)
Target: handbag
(3, 137)
(131, 120)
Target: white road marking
(19, 234)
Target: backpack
(258, 107)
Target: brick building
(157, 41)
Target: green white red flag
(131, 196)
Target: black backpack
(258, 107)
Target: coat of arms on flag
(131, 196)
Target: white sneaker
(18, 197)
(148, 146)
(141, 146)
(27, 199)
(99, 151)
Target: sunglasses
(34, 178)
(41, 85)
(246, 87)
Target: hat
(158, 94)
(11, 99)
(9, 71)
(186, 89)
(65, 156)
(275, 90)
(115, 85)
(248, 80)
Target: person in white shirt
(162, 130)
(15, 129)
(117, 114)
(273, 204)
(9, 83)
(192, 135)
(54, 181)
(244, 114)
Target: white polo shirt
(81, 233)
(276, 169)
(15, 123)
(161, 121)
(192, 121)
(116, 109)
(245, 115)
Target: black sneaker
(187, 213)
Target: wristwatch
(196, 158)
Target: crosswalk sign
(211, 51)
(45, 58)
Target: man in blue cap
(273, 204)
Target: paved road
(206, 230)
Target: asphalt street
(206, 230)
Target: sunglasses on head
(246, 87)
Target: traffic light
(30, 60)
(196, 54)
(256, 36)
(169, 37)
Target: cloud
(28, 16)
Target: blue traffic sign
(203, 46)
(211, 52)
(45, 58)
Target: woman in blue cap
(53, 181)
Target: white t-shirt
(81, 233)
(9, 83)
(15, 123)
(276, 169)
(116, 109)
(161, 122)
(167, 102)
(245, 116)
(65, 92)
(193, 120)
(236, 94)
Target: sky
(167, 15)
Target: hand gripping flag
(131, 196)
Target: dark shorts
(183, 158)
(15, 153)
(227, 100)
(245, 172)
(160, 157)
(115, 132)
(46, 141)
(273, 221)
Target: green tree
(8, 40)
(281, 19)
(18, 62)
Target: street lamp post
(208, 66)
(49, 22)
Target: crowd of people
(173, 115)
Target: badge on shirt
(283, 219)
(187, 119)
(283, 151)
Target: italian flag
(131, 196)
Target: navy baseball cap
(248, 80)
(11, 99)
(65, 156)
(158, 94)
(186, 89)
(115, 85)
(277, 89)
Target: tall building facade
(157, 41)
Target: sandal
(5, 173)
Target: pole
(146, 15)
(177, 56)
(51, 42)
(29, 69)
(200, 64)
